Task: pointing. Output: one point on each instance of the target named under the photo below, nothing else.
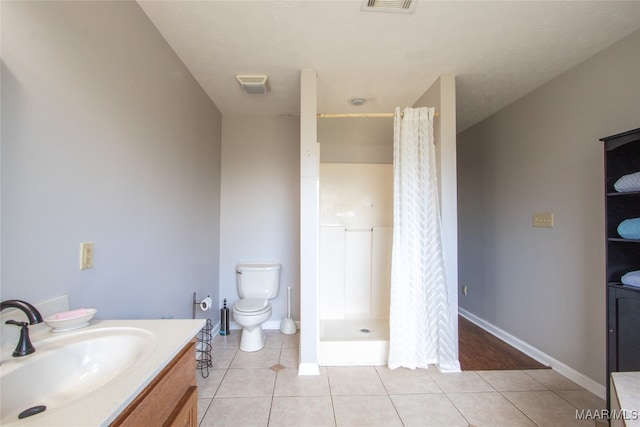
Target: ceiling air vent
(402, 6)
(254, 85)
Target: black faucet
(24, 346)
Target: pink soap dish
(70, 323)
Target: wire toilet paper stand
(203, 343)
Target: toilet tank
(258, 280)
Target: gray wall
(106, 138)
(260, 199)
(356, 140)
(542, 154)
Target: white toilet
(257, 284)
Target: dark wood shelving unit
(622, 157)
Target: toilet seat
(252, 306)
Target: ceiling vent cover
(402, 6)
(254, 85)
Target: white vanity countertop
(102, 406)
(627, 389)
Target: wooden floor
(481, 351)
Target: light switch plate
(86, 256)
(543, 219)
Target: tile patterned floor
(264, 389)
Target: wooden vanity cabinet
(170, 400)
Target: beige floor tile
(273, 338)
(289, 383)
(265, 358)
(455, 382)
(228, 341)
(546, 408)
(370, 411)
(249, 382)
(583, 399)
(355, 380)
(403, 380)
(222, 357)
(427, 410)
(292, 340)
(433, 369)
(301, 411)
(242, 390)
(207, 387)
(489, 409)
(203, 405)
(552, 380)
(289, 357)
(250, 412)
(510, 381)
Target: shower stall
(356, 229)
(345, 274)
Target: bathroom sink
(70, 366)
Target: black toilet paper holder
(203, 343)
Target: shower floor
(354, 329)
(353, 342)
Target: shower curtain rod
(361, 115)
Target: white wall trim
(215, 330)
(308, 369)
(563, 369)
(309, 220)
(269, 324)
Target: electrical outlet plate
(543, 219)
(86, 256)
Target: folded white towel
(629, 182)
(632, 278)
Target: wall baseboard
(308, 369)
(563, 369)
(269, 324)
(215, 330)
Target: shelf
(620, 285)
(622, 158)
(623, 193)
(620, 239)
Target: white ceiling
(498, 50)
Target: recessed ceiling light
(356, 102)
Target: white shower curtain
(421, 328)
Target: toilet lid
(251, 305)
